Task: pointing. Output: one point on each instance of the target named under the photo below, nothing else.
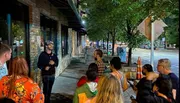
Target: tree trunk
(113, 42)
(129, 56)
(130, 48)
(103, 44)
(107, 43)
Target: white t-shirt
(3, 70)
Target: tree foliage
(120, 18)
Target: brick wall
(37, 7)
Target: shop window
(48, 31)
(78, 39)
(64, 40)
(19, 44)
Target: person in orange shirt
(18, 86)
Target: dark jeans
(48, 82)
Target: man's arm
(174, 93)
(42, 62)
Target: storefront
(14, 27)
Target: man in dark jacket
(48, 62)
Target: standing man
(48, 62)
(98, 58)
(5, 55)
(164, 67)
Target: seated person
(83, 79)
(87, 90)
(159, 93)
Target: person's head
(98, 54)
(5, 52)
(91, 75)
(115, 63)
(93, 66)
(49, 45)
(18, 67)
(6, 100)
(147, 68)
(164, 66)
(163, 85)
(109, 90)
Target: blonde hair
(109, 90)
(165, 62)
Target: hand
(47, 68)
(51, 62)
(135, 82)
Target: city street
(172, 55)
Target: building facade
(26, 24)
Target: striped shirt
(101, 67)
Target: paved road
(172, 55)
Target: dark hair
(93, 66)
(148, 67)
(4, 48)
(6, 100)
(165, 85)
(116, 62)
(99, 52)
(91, 75)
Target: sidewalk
(65, 85)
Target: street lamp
(83, 22)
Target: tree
(121, 17)
(172, 32)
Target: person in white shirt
(5, 55)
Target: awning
(68, 8)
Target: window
(64, 40)
(48, 31)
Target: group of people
(100, 87)
(96, 86)
(161, 87)
(15, 84)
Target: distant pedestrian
(98, 59)
(18, 86)
(48, 62)
(5, 55)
